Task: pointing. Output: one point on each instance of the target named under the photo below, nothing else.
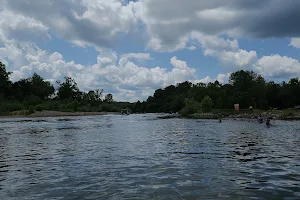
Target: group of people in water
(261, 120)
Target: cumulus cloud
(277, 66)
(295, 42)
(166, 26)
(83, 22)
(14, 25)
(118, 75)
(233, 58)
(137, 56)
(226, 51)
(170, 22)
(221, 78)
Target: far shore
(273, 114)
(49, 113)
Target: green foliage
(39, 108)
(30, 110)
(206, 104)
(68, 89)
(32, 100)
(9, 106)
(5, 83)
(191, 106)
(244, 87)
(33, 86)
(109, 98)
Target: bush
(39, 107)
(30, 110)
(84, 108)
(206, 104)
(65, 108)
(10, 106)
(32, 100)
(191, 106)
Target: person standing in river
(260, 119)
(268, 122)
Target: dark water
(134, 157)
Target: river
(141, 157)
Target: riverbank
(49, 113)
(273, 114)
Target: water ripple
(136, 157)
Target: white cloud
(115, 74)
(158, 45)
(241, 58)
(277, 66)
(207, 79)
(14, 25)
(169, 22)
(226, 51)
(137, 56)
(192, 48)
(97, 23)
(295, 42)
(221, 78)
(166, 26)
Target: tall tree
(33, 86)
(109, 98)
(5, 83)
(68, 89)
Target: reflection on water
(135, 157)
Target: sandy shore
(48, 113)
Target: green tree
(68, 89)
(191, 106)
(33, 86)
(108, 98)
(5, 83)
(41, 88)
(206, 104)
(273, 94)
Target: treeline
(36, 94)
(245, 88)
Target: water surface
(137, 157)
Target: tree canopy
(244, 87)
(5, 83)
(35, 93)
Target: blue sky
(131, 48)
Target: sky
(131, 48)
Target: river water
(140, 157)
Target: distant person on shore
(251, 109)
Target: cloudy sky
(131, 48)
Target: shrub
(30, 110)
(206, 104)
(39, 107)
(10, 106)
(191, 106)
(32, 100)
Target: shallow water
(136, 157)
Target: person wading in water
(268, 122)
